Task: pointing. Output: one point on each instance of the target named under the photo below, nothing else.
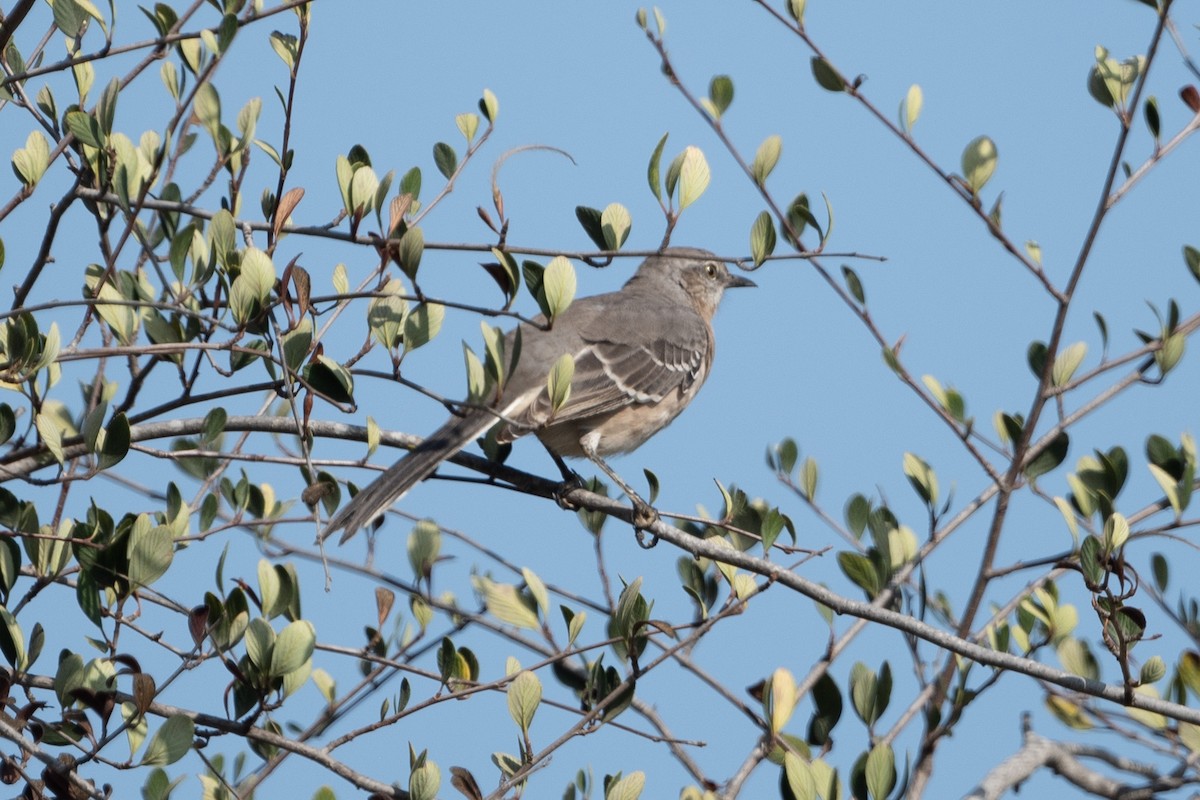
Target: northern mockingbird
(641, 354)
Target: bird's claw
(568, 485)
(644, 517)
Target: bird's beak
(737, 280)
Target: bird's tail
(407, 472)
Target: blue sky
(792, 361)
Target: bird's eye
(710, 269)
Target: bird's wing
(626, 355)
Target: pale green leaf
(1116, 531)
(629, 787)
(615, 222)
(766, 158)
(558, 382)
(693, 176)
(536, 588)
(170, 743)
(524, 697)
(979, 162)
(1068, 361)
(467, 124)
(293, 647)
(507, 604)
(423, 324)
(911, 107)
(558, 285)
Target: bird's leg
(570, 480)
(644, 514)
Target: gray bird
(641, 355)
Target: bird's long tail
(407, 472)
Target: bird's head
(700, 275)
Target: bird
(640, 356)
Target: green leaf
(207, 105)
(979, 162)
(117, 438)
(445, 158)
(150, 552)
(260, 639)
(854, 285)
(799, 777)
(720, 94)
(84, 127)
(296, 343)
(51, 433)
(864, 693)
(477, 383)
(12, 640)
(510, 272)
(861, 572)
(881, 772)
(922, 477)
(762, 238)
(1191, 257)
(827, 77)
(652, 171)
(1091, 562)
(364, 185)
(411, 183)
(285, 46)
(411, 248)
(170, 742)
(1161, 571)
(494, 347)
(590, 219)
(8, 422)
(786, 453)
(1049, 458)
(424, 546)
(1153, 670)
(386, 315)
(1077, 658)
(293, 647)
(1153, 120)
(68, 17)
(858, 513)
(489, 105)
(424, 781)
(1167, 356)
(331, 379)
(828, 701)
(808, 479)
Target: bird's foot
(644, 517)
(644, 514)
(569, 484)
